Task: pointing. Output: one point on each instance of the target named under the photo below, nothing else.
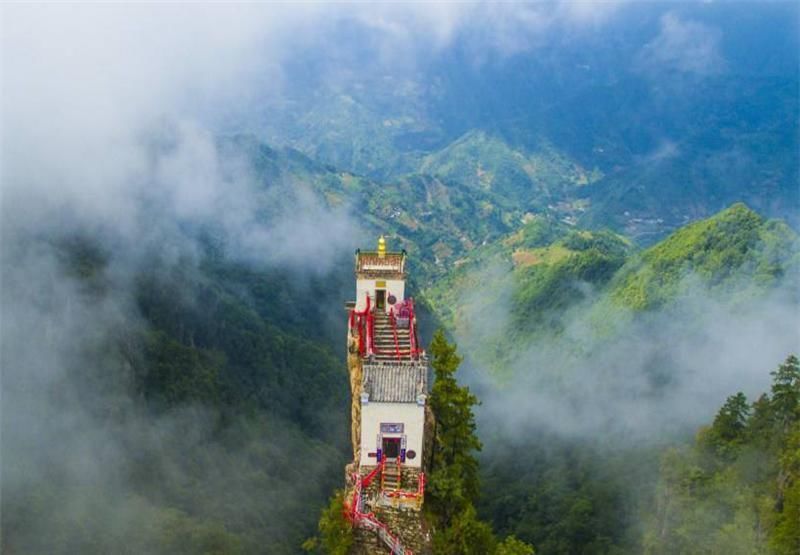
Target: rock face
(409, 525)
(415, 535)
(356, 378)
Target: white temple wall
(411, 415)
(396, 287)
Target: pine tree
(453, 483)
(786, 536)
(786, 393)
(730, 424)
(454, 480)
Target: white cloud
(685, 46)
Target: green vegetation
(736, 250)
(453, 486)
(268, 372)
(213, 396)
(535, 277)
(514, 177)
(528, 281)
(222, 419)
(566, 496)
(737, 488)
(575, 496)
(436, 219)
(335, 532)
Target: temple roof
(396, 382)
(375, 262)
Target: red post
(412, 327)
(393, 321)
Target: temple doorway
(391, 447)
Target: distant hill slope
(436, 219)
(589, 355)
(671, 143)
(528, 180)
(736, 250)
(528, 283)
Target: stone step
(390, 340)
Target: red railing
(370, 333)
(364, 322)
(361, 321)
(393, 322)
(416, 495)
(357, 517)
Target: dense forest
(195, 414)
(736, 489)
(600, 208)
(585, 334)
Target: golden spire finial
(381, 246)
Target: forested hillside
(220, 364)
(600, 206)
(586, 336)
(195, 407)
(655, 118)
(736, 489)
(547, 275)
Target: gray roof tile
(395, 382)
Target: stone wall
(356, 379)
(409, 525)
(407, 522)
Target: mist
(114, 169)
(636, 379)
(579, 422)
(130, 153)
(121, 157)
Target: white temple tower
(389, 383)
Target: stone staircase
(384, 340)
(390, 477)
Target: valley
(597, 209)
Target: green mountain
(735, 252)
(660, 147)
(600, 203)
(584, 325)
(517, 178)
(537, 275)
(270, 381)
(211, 404)
(436, 219)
